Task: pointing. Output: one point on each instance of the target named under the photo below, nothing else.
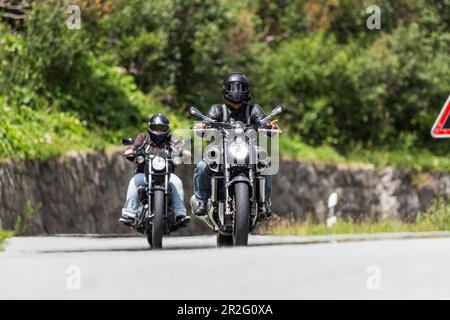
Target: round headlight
(158, 163)
(238, 130)
(238, 150)
(140, 159)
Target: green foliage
(338, 94)
(23, 221)
(174, 43)
(286, 227)
(293, 148)
(421, 160)
(351, 94)
(306, 75)
(436, 218)
(57, 95)
(401, 85)
(3, 236)
(27, 133)
(438, 214)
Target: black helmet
(236, 88)
(158, 127)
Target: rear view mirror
(278, 110)
(193, 111)
(127, 141)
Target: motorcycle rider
(236, 92)
(161, 143)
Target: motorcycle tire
(242, 214)
(158, 220)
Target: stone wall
(84, 192)
(363, 191)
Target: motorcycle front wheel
(242, 214)
(154, 237)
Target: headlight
(238, 129)
(158, 163)
(238, 150)
(140, 159)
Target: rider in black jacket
(236, 92)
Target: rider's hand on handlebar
(199, 125)
(272, 125)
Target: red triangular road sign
(441, 128)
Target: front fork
(149, 191)
(256, 184)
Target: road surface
(192, 268)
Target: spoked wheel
(154, 237)
(242, 214)
(224, 240)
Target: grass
(3, 236)
(294, 148)
(286, 227)
(417, 160)
(436, 218)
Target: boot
(201, 209)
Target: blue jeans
(132, 202)
(202, 183)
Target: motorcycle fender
(239, 178)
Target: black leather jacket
(247, 113)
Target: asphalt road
(192, 268)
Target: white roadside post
(332, 202)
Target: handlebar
(141, 152)
(212, 123)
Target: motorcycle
(155, 216)
(235, 163)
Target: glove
(129, 154)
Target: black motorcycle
(235, 162)
(155, 216)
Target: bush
(343, 93)
(344, 87)
(172, 43)
(56, 94)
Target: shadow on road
(173, 247)
(131, 249)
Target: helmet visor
(159, 128)
(236, 87)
